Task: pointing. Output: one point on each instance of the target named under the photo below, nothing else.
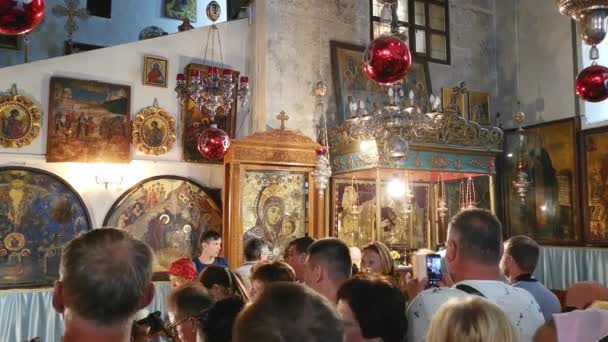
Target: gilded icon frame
(145, 138)
(278, 152)
(29, 112)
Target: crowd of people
(321, 291)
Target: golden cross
(282, 117)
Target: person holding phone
(473, 254)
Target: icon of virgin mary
(270, 219)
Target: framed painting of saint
(89, 121)
(181, 9)
(195, 120)
(169, 213)
(20, 120)
(269, 192)
(548, 211)
(155, 71)
(595, 172)
(39, 214)
(154, 131)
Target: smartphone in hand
(433, 269)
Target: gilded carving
(421, 129)
(273, 155)
(439, 162)
(480, 164)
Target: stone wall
(298, 36)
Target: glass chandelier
(212, 91)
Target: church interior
(453, 148)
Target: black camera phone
(433, 269)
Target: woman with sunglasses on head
(221, 283)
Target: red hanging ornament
(591, 83)
(387, 60)
(213, 143)
(20, 16)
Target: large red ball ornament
(213, 143)
(387, 60)
(591, 83)
(20, 16)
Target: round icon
(213, 11)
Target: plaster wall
(123, 65)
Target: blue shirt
(547, 300)
(216, 261)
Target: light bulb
(396, 188)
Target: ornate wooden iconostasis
(399, 178)
(269, 191)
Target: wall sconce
(108, 180)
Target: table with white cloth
(29, 313)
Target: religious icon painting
(549, 209)
(450, 97)
(357, 95)
(20, 120)
(479, 107)
(213, 11)
(274, 207)
(169, 213)
(89, 121)
(39, 214)
(155, 71)
(195, 119)
(181, 9)
(595, 173)
(154, 131)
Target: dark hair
(254, 249)
(269, 272)
(271, 318)
(378, 306)
(524, 250)
(219, 275)
(334, 253)
(216, 275)
(301, 244)
(479, 235)
(217, 323)
(189, 299)
(209, 235)
(105, 275)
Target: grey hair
(105, 275)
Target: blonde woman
(377, 259)
(471, 319)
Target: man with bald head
(105, 277)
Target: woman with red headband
(181, 271)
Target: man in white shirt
(256, 250)
(473, 253)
